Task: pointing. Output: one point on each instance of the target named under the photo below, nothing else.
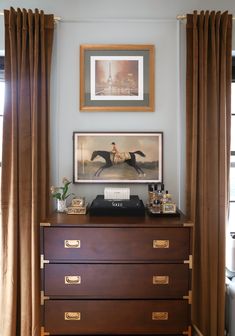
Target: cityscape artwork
(117, 78)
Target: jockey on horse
(118, 157)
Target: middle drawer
(117, 280)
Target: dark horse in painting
(109, 163)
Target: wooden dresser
(115, 275)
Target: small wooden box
(77, 210)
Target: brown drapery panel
(209, 66)
(25, 165)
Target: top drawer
(120, 244)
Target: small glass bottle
(151, 194)
(167, 197)
(158, 193)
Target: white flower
(61, 193)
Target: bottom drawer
(116, 317)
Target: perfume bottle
(159, 187)
(167, 198)
(151, 194)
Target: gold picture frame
(117, 77)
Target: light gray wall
(165, 117)
(124, 22)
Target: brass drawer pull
(160, 316)
(161, 243)
(72, 279)
(72, 243)
(72, 316)
(160, 279)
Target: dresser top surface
(62, 219)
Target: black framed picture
(118, 157)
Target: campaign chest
(115, 275)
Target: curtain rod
(56, 18)
(184, 17)
(178, 17)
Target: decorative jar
(61, 205)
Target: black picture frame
(140, 158)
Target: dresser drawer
(88, 244)
(115, 317)
(117, 280)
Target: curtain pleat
(25, 165)
(208, 89)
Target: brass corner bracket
(45, 224)
(188, 297)
(188, 224)
(188, 332)
(43, 298)
(43, 332)
(43, 261)
(189, 261)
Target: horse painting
(107, 156)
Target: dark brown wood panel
(116, 317)
(116, 244)
(110, 264)
(62, 219)
(117, 281)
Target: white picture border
(140, 60)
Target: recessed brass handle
(72, 243)
(72, 316)
(72, 279)
(160, 279)
(161, 243)
(160, 316)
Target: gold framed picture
(117, 77)
(169, 208)
(78, 202)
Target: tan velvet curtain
(209, 68)
(25, 166)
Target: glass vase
(61, 205)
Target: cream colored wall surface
(124, 21)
